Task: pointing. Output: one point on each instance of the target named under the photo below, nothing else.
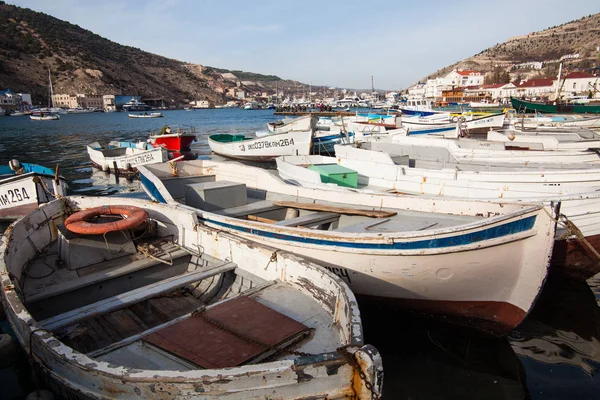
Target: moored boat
(146, 115)
(167, 304)
(44, 117)
(302, 123)
(136, 105)
(531, 107)
(177, 139)
(263, 148)
(24, 186)
(124, 157)
(476, 263)
(387, 168)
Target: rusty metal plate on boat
(229, 334)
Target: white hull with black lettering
(124, 157)
(22, 193)
(263, 148)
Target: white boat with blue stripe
(477, 263)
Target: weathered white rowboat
(478, 263)
(544, 140)
(385, 169)
(174, 308)
(125, 156)
(263, 148)
(465, 151)
(24, 186)
(303, 123)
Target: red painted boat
(176, 139)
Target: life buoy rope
(133, 217)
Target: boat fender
(133, 217)
(15, 165)
(105, 168)
(9, 351)
(40, 395)
(511, 136)
(455, 119)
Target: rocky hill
(577, 42)
(81, 61)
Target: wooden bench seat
(101, 272)
(247, 209)
(133, 296)
(310, 219)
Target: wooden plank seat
(101, 272)
(247, 209)
(310, 219)
(133, 296)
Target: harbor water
(554, 354)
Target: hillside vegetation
(81, 61)
(575, 37)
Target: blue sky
(334, 43)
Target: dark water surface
(554, 354)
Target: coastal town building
(78, 100)
(10, 100)
(581, 83)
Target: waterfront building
(581, 83)
(535, 88)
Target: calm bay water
(554, 354)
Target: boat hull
(21, 194)
(173, 142)
(127, 162)
(265, 148)
(75, 374)
(529, 106)
(453, 266)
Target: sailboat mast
(558, 82)
(51, 100)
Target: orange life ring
(134, 216)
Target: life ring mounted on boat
(133, 217)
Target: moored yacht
(136, 105)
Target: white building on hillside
(580, 83)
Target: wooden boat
(454, 149)
(124, 157)
(477, 263)
(24, 186)
(384, 168)
(554, 140)
(556, 121)
(303, 123)
(472, 123)
(171, 306)
(531, 107)
(264, 148)
(177, 140)
(146, 115)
